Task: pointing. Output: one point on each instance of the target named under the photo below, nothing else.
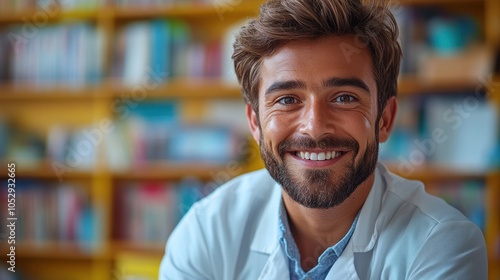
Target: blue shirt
(325, 261)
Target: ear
(253, 123)
(387, 119)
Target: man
(320, 81)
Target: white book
(471, 134)
(118, 149)
(137, 53)
(228, 74)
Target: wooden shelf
(183, 88)
(494, 89)
(432, 173)
(169, 171)
(411, 85)
(150, 171)
(150, 248)
(11, 93)
(195, 11)
(186, 12)
(436, 2)
(177, 88)
(41, 17)
(58, 250)
(73, 251)
(44, 170)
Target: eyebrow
(332, 82)
(285, 85)
(339, 82)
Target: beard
(321, 188)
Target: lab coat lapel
(266, 235)
(276, 266)
(355, 259)
(344, 268)
(266, 242)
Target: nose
(316, 120)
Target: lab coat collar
(266, 236)
(370, 221)
(276, 266)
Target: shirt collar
(326, 259)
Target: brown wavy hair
(282, 21)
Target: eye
(345, 98)
(287, 100)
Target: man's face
(317, 125)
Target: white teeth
(321, 156)
(318, 156)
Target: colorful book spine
(148, 211)
(69, 54)
(48, 212)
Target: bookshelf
(37, 109)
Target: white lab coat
(402, 233)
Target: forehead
(313, 61)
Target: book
(137, 53)
(3, 56)
(144, 52)
(147, 211)
(163, 49)
(4, 138)
(69, 54)
(210, 144)
(441, 129)
(181, 37)
(466, 145)
(52, 212)
(227, 65)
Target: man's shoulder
(239, 197)
(218, 231)
(416, 231)
(412, 194)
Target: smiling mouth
(321, 156)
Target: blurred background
(119, 115)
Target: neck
(314, 230)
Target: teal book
(161, 50)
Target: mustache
(326, 143)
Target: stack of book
(162, 49)
(70, 54)
(9, 6)
(153, 131)
(148, 211)
(62, 212)
(439, 129)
